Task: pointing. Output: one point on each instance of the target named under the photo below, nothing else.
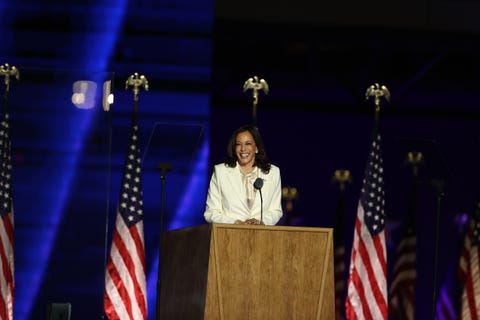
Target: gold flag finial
(289, 193)
(342, 176)
(7, 72)
(136, 81)
(256, 85)
(414, 158)
(377, 91)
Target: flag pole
(403, 282)
(256, 85)
(7, 279)
(125, 293)
(289, 194)
(340, 177)
(136, 81)
(369, 232)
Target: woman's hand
(253, 221)
(249, 221)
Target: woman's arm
(214, 212)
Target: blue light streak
(92, 51)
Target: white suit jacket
(227, 200)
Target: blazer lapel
(235, 183)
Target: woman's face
(245, 148)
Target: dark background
(318, 59)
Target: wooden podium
(225, 271)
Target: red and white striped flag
(367, 281)
(402, 288)
(125, 284)
(469, 272)
(7, 282)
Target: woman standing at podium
(246, 187)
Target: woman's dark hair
(261, 159)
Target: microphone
(258, 184)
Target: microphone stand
(258, 184)
(439, 185)
(164, 167)
(261, 206)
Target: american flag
(469, 272)
(7, 282)
(339, 257)
(402, 288)
(367, 281)
(125, 284)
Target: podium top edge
(217, 226)
(271, 228)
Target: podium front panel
(223, 271)
(264, 272)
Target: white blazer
(227, 200)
